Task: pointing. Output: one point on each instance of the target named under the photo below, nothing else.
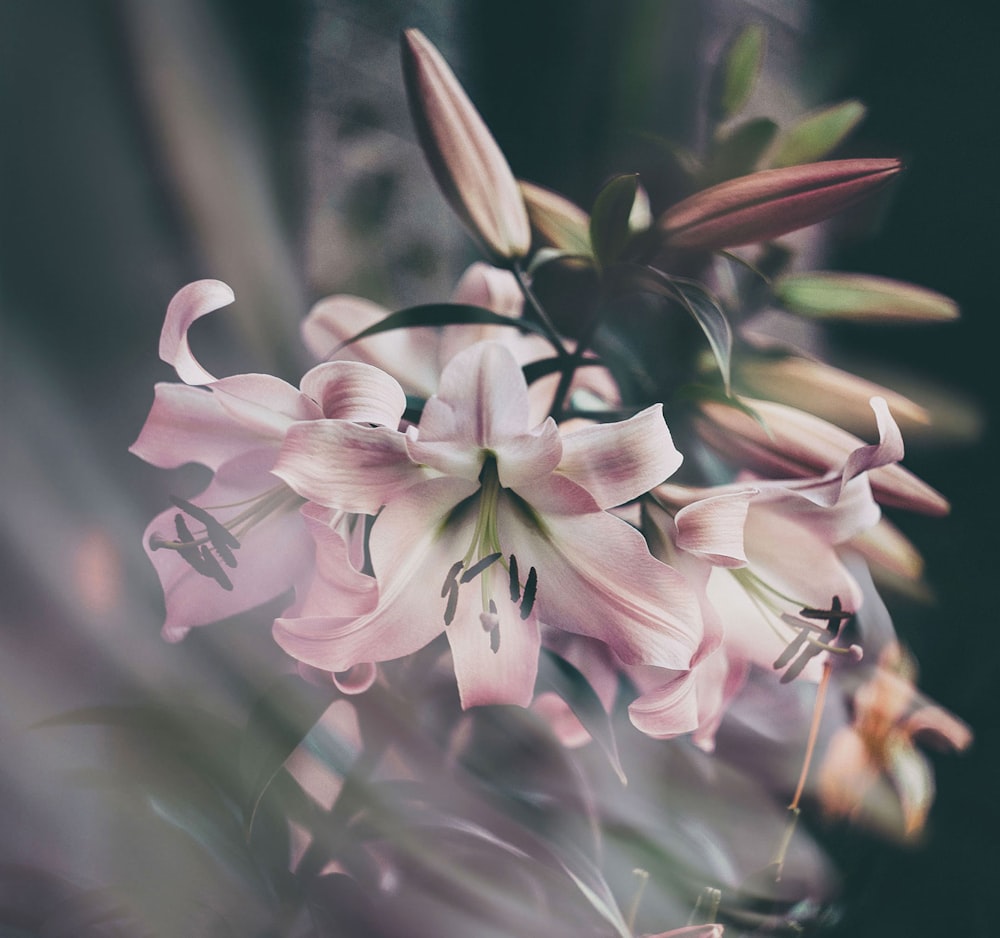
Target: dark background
(95, 238)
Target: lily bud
(771, 203)
(828, 392)
(829, 295)
(796, 444)
(561, 224)
(463, 156)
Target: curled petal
(189, 304)
(463, 156)
(355, 680)
(356, 392)
(669, 710)
(796, 444)
(346, 466)
(617, 462)
(712, 528)
(774, 202)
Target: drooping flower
(490, 526)
(876, 755)
(235, 426)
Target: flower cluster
(514, 470)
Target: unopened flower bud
(771, 203)
(833, 295)
(463, 156)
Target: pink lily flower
(755, 554)
(491, 525)
(235, 426)
(416, 357)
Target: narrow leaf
(609, 220)
(714, 323)
(277, 724)
(737, 74)
(818, 134)
(556, 674)
(441, 314)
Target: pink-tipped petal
(712, 528)
(346, 466)
(617, 462)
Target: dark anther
(495, 640)
(530, 587)
(449, 580)
(212, 569)
(515, 583)
(217, 533)
(836, 612)
(452, 605)
(479, 566)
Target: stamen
(217, 533)
(452, 605)
(530, 588)
(449, 580)
(515, 583)
(479, 566)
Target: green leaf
(737, 73)
(441, 314)
(739, 151)
(714, 323)
(556, 674)
(277, 724)
(817, 134)
(609, 220)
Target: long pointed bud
(466, 162)
(773, 202)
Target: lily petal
(346, 466)
(597, 578)
(190, 303)
(617, 462)
(356, 392)
(712, 527)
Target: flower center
(483, 552)
(217, 541)
(805, 638)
